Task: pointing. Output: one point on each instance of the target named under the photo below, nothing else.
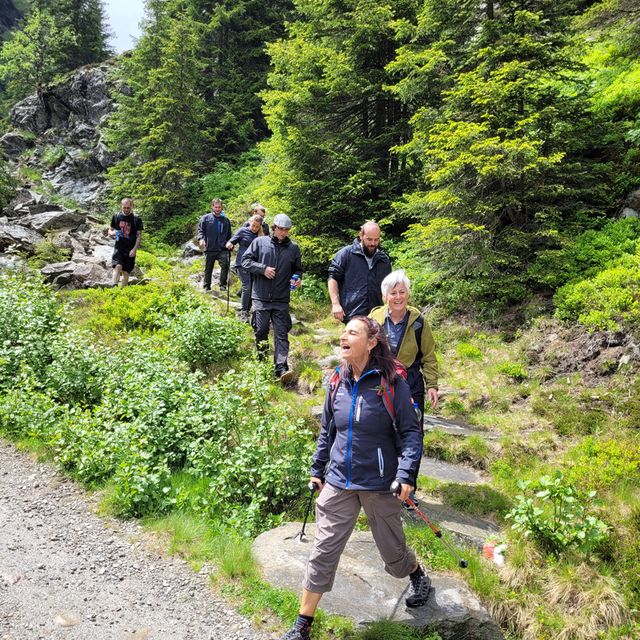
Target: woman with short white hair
(410, 338)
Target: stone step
(365, 592)
(449, 472)
(465, 530)
(457, 429)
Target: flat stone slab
(456, 429)
(465, 529)
(449, 472)
(365, 592)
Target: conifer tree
(164, 138)
(502, 165)
(333, 121)
(34, 54)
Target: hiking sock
(303, 622)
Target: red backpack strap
(334, 382)
(388, 394)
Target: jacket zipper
(354, 397)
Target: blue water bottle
(294, 278)
(117, 235)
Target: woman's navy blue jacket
(243, 237)
(358, 447)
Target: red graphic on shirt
(125, 229)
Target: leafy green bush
(604, 463)
(26, 412)
(77, 370)
(585, 255)
(142, 483)
(610, 300)
(116, 311)
(30, 317)
(47, 252)
(201, 338)
(468, 351)
(314, 288)
(513, 370)
(553, 513)
(84, 445)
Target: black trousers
(261, 321)
(245, 278)
(210, 257)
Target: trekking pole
(395, 489)
(313, 487)
(228, 281)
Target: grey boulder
(365, 592)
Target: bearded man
(356, 273)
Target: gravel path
(66, 573)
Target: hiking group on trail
(370, 444)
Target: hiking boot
(419, 587)
(223, 287)
(297, 634)
(286, 377)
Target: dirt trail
(66, 573)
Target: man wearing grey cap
(273, 261)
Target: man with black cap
(276, 268)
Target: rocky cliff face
(65, 123)
(56, 140)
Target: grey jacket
(266, 252)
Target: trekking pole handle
(313, 486)
(396, 487)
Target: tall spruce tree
(33, 55)
(333, 122)
(87, 21)
(503, 168)
(163, 140)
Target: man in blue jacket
(272, 261)
(356, 273)
(214, 231)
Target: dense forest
(493, 141)
(498, 146)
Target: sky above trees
(124, 22)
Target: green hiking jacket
(408, 350)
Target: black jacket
(208, 231)
(243, 237)
(359, 286)
(268, 252)
(358, 447)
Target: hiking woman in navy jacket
(361, 450)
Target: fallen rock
(452, 610)
(20, 237)
(14, 143)
(191, 249)
(49, 220)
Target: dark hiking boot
(286, 377)
(223, 287)
(419, 587)
(297, 634)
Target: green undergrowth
(147, 394)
